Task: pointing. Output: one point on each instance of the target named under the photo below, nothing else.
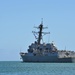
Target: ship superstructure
(46, 52)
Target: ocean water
(19, 68)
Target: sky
(18, 18)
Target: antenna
(42, 21)
(49, 38)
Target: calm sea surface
(19, 68)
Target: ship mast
(40, 33)
(40, 27)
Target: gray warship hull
(46, 52)
(47, 59)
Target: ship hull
(47, 59)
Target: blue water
(19, 68)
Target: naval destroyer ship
(46, 52)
